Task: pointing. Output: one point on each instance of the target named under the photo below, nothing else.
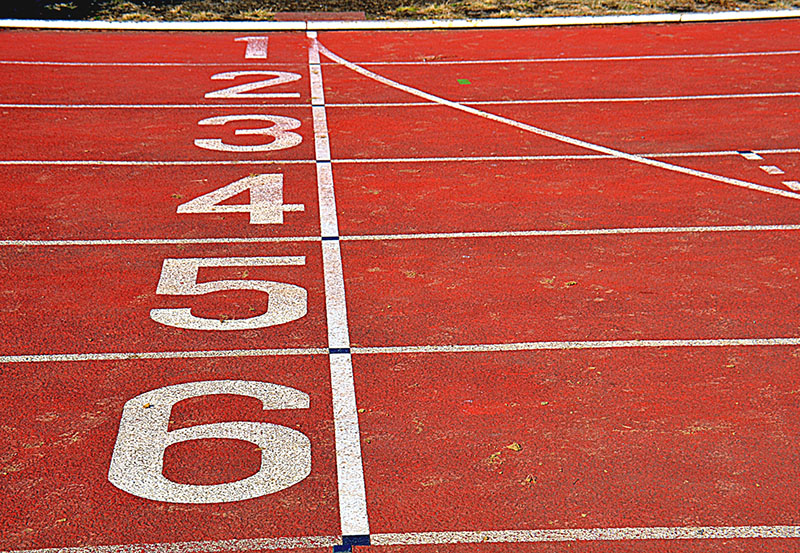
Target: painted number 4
(266, 205)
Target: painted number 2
(138, 459)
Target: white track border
(396, 25)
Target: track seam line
(349, 464)
(556, 136)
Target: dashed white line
(792, 185)
(771, 169)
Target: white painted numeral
(138, 460)
(287, 302)
(256, 46)
(246, 90)
(280, 130)
(266, 205)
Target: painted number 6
(138, 460)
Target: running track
(477, 290)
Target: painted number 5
(287, 302)
(138, 460)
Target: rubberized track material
(466, 290)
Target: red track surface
(98, 148)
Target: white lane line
(216, 546)
(771, 169)
(570, 232)
(553, 157)
(391, 350)
(124, 356)
(577, 344)
(349, 463)
(792, 184)
(556, 136)
(148, 106)
(159, 241)
(318, 99)
(581, 100)
(589, 534)
(443, 538)
(410, 236)
(257, 46)
(587, 59)
(46, 63)
(154, 163)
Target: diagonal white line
(553, 135)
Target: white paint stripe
(217, 546)
(442, 538)
(154, 163)
(335, 306)
(160, 241)
(349, 464)
(546, 21)
(317, 98)
(555, 157)
(571, 232)
(771, 169)
(581, 100)
(261, 65)
(148, 106)
(589, 534)
(124, 356)
(559, 137)
(711, 55)
(155, 25)
(322, 147)
(317, 92)
(578, 344)
(329, 225)
(409, 236)
(792, 184)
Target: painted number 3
(138, 459)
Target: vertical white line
(349, 465)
